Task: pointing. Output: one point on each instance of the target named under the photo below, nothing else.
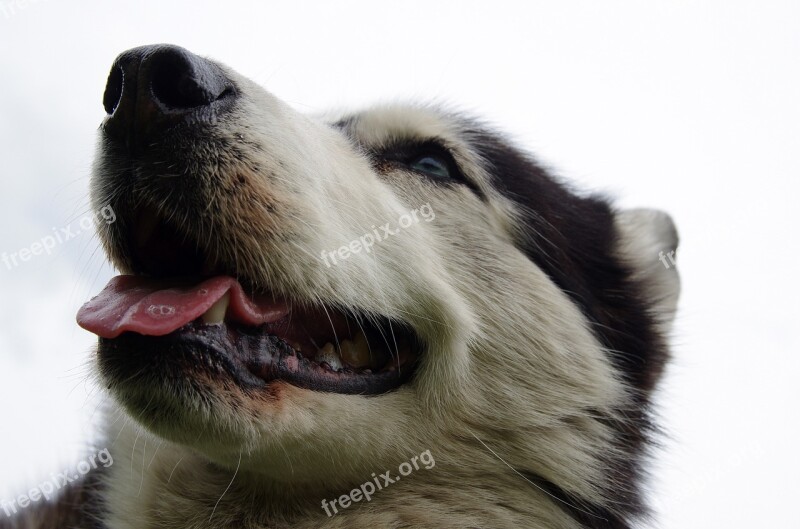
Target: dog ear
(647, 243)
(606, 261)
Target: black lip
(252, 357)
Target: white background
(686, 106)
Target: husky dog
(387, 319)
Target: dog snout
(152, 88)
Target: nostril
(151, 89)
(113, 92)
(182, 81)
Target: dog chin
(202, 405)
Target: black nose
(152, 88)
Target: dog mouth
(222, 325)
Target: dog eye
(431, 159)
(431, 166)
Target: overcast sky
(694, 109)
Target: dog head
(327, 295)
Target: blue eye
(432, 166)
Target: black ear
(601, 260)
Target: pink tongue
(153, 308)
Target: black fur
(572, 238)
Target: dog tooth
(329, 355)
(360, 340)
(356, 353)
(376, 357)
(335, 363)
(216, 314)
